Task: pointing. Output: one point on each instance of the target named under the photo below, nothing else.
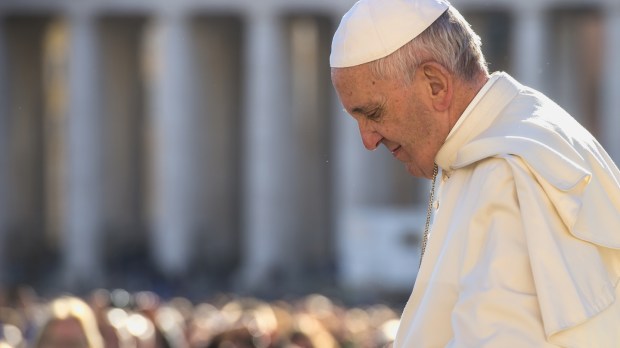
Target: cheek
(420, 135)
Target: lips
(395, 151)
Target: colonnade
(271, 177)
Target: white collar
(480, 113)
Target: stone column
(268, 199)
(82, 242)
(4, 155)
(311, 95)
(610, 117)
(529, 45)
(172, 135)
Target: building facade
(201, 141)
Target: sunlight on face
(394, 113)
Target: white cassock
(524, 249)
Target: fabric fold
(565, 269)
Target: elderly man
(523, 251)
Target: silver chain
(428, 213)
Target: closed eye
(371, 112)
(374, 115)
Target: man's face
(394, 113)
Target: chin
(418, 172)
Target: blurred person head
(233, 338)
(134, 329)
(143, 331)
(299, 339)
(11, 336)
(100, 303)
(170, 323)
(205, 321)
(252, 316)
(283, 314)
(310, 327)
(13, 317)
(148, 304)
(328, 313)
(71, 323)
(357, 327)
(240, 322)
(386, 333)
(21, 307)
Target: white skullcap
(373, 29)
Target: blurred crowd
(143, 320)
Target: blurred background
(194, 147)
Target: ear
(439, 83)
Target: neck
(465, 92)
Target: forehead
(356, 85)
(346, 78)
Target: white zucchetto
(373, 29)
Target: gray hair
(449, 41)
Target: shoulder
(488, 172)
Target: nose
(370, 137)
